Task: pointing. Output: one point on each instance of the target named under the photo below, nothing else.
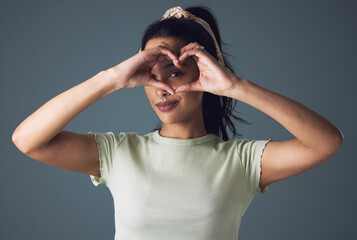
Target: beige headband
(178, 12)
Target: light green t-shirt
(184, 189)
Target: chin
(171, 118)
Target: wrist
(111, 75)
(239, 88)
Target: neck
(183, 131)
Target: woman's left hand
(214, 78)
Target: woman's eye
(174, 74)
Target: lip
(167, 105)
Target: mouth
(167, 105)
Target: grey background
(305, 50)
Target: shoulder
(230, 144)
(244, 148)
(244, 145)
(109, 136)
(136, 138)
(112, 140)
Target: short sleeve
(251, 153)
(107, 144)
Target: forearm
(311, 129)
(47, 121)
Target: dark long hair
(217, 110)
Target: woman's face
(189, 108)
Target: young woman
(186, 180)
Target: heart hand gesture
(214, 78)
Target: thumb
(195, 86)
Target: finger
(195, 86)
(171, 57)
(195, 53)
(169, 47)
(163, 44)
(163, 58)
(189, 47)
(170, 54)
(166, 49)
(161, 85)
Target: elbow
(16, 139)
(336, 142)
(340, 138)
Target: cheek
(193, 99)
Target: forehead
(174, 43)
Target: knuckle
(164, 49)
(160, 46)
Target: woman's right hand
(136, 71)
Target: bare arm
(316, 138)
(40, 135)
(47, 121)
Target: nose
(161, 93)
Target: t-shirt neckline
(190, 141)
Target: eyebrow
(170, 65)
